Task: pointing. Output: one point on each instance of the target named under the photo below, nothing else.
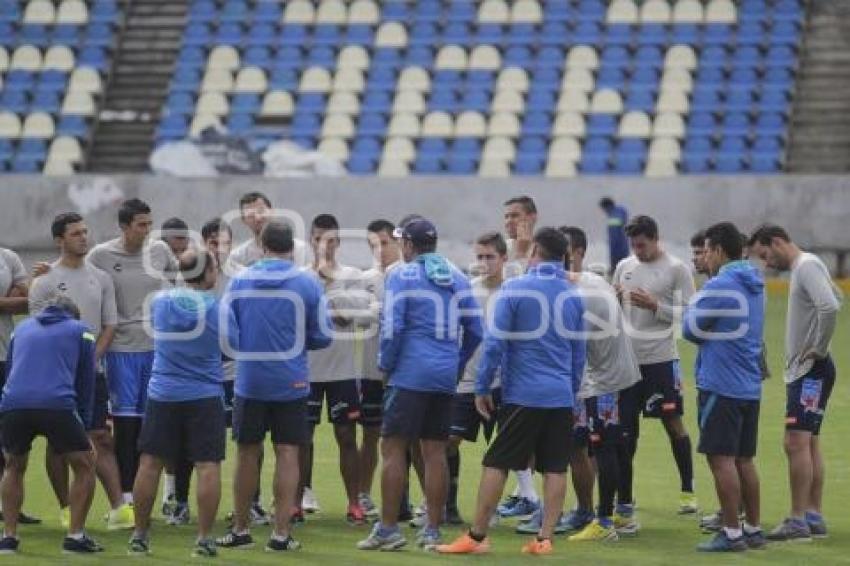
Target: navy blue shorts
(371, 402)
(127, 375)
(100, 414)
(194, 430)
(661, 390)
(343, 400)
(808, 396)
(612, 418)
(422, 415)
(466, 422)
(285, 420)
(727, 426)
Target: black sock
(608, 471)
(308, 480)
(126, 449)
(475, 537)
(684, 461)
(182, 480)
(625, 457)
(257, 494)
(454, 474)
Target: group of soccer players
(172, 340)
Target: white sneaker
(309, 503)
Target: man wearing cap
(426, 302)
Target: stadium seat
(39, 12)
(26, 58)
(437, 125)
(655, 12)
(404, 125)
(399, 148)
(79, 103)
(493, 12)
(569, 124)
(10, 125)
(349, 80)
(622, 12)
(59, 58)
(606, 102)
(73, 12)
(495, 168)
(299, 12)
(277, 104)
(503, 124)
(560, 169)
(214, 103)
(582, 57)
(470, 125)
(508, 101)
(720, 12)
(668, 125)
(635, 124)
(660, 167)
(688, 12)
(393, 168)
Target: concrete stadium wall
(814, 209)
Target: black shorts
(100, 413)
(466, 421)
(581, 425)
(228, 402)
(286, 420)
(661, 390)
(343, 399)
(727, 426)
(63, 429)
(371, 402)
(423, 415)
(531, 435)
(612, 418)
(808, 396)
(194, 430)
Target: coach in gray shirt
(813, 304)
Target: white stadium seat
(513, 79)
(251, 80)
(401, 149)
(404, 125)
(565, 148)
(437, 125)
(393, 168)
(203, 121)
(582, 57)
(299, 12)
(331, 12)
(680, 57)
(217, 80)
(414, 78)
(494, 12)
(668, 125)
(67, 148)
(526, 12)
(59, 58)
(223, 57)
(73, 12)
(573, 101)
(4, 59)
(409, 101)
(666, 148)
(494, 168)
(635, 124)
(38, 125)
(315, 79)
(344, 103)
(39, 12)
(569, 124)
(451, 57)
(660, 167)
(470, 124)
(687, 12)
(498, 148)
(85, 79)
(622, 12)
(508, 101)
(353, 57)
(10, 125)
(578, 79)
(655, 12)
(678, 80)
(672, 101)
(334, 148)
(391, 34)
(606, 101)
(214, 103)
(57, 167)
(338, 126)
(26, 58)
(349, 80)
(277, 104)
(485, 57)
(561, 169)
(503, 124)
(364, 12)
(721, 12)
(79, 103)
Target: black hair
(765, 234)
(425, 247)
(525, 201)
(213, 227)
(642, 225)
(495, 240)
(60, 223)
(193, 265)
(606, 202)
(248, 198)
(277, 238)
(575, 236)
(698, 239)
(381, 225)
(551, 243)
(325, 222)
(173, 226)
(130, 208)
(725, 236)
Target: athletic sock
(733, 534)
(279, 538)
(814, 517)
(126, 449)
(608, 471)
(454, 474)
(77, 536)
(168, 487)
(127, 497)
(308, 480)
(606, 522)
(525, 484)
(257, 494)
(750, 530)
(625, 456)
(684, 461)
(182, 480)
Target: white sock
(733, 533)
(168, 488)
(128, 497)
(76, 536)
(750, 529)
(525, 484)
(278, 537)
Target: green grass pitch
(665, 538)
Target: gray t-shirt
(133, 285)
(12, 274)
(484, 295)
(813, 304)
(670, 281)
(90, 288)
(611, 362)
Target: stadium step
(142, 68)
(819, 140)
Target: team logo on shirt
(117, 267)
(62, 286)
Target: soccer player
(184, 415)
(426, 302)
(520, 218)
(175, 233)
(14, 286)
(256, 210)
(386, 255)
(138, 269)
(618, 217)
(49, 392)
(813, 304)
(653, 286)
(334, 377)
(536, 337)
(726, 320)
(280, 313)
(698, 253)
(491, 254)
(91, 289)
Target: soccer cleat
(453, 516)
(519, 508)
(595, 531)
(180, 516)
(368, 506)
(65, 517)
(428, 538)
(464, 544)
(791, 530)
(626, 525)
(138, 546)
(9, 545)
(532, 525)
(574, 521)
(258, 515)
(507, 505)
(205, 548)
(297, 517)
(282, 545)
(122, 518)
(818, 528)
(711, 523)
(688, 503)
(82, 545)
(383, 539)
(756, 540)
(355, 516)
(168, 505)
(405, 514)
(538, 547)
(418, 521)
(235, 541)
(720, 542)
(309, 502)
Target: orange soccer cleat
(540, 547)
(464, 545)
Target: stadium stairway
(142, 70)
(820, 131)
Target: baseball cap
(419, 231)
(399, 229)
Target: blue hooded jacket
(426, 302)
(284, 315)
(51, 365)
(730, 345)
(187, 351)
(542, 369)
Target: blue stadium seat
(187, 81)
(529, 164)
(197, 34)
(283, 79)
(521, 34)
(619, 35)
(739, 100)
(305, 125)
(381, 78)
(685, 34)
(395, 11)
(321, 57)
(548, 79)
(717, 34)
(423, 34)
(422, 56)
(8, 35)
(458, 33)
(10, 12)
(466, 146)
(733, 145)
(433, 147)
(611, 78)
(597, 145)
(257, 57)
(180, 103)
(549, 57)
(628, 164)
(554, 33)
(615, 56)
(444, 99)
(695, 164)
(648, 56)
(289, 58)
(367, 145)
(261, 35)
(202, 11)
(645, 76)
(427, 165)
(590, 11)
(540, 100)
(7, 149)
(72, 126)
(462, 11)
(736, 124)
(588, 33)
(383, 57)
(64, 34)
(601, 124)
(781, 56)
(233, 11)
(293, 35)
(377, 101)
(458, 164)
(489, 34)
(516, 56)
(359, 34)
(713, 57)
(653, 35)
(49, 102)
(640, 99)
(245, 104)
(327, 36)
(372, 125)
(26, 164)
(477, 99)
(698, 145)
(779, 77)
(773, 101)
(746, 56)
(52, 81)
(14, 101)
(533, 146)
(764, 164)
(98, 35)
(559, 12)
(173, 127)
(785, 33)
(729, 164)
(631, 147)
(361, 165)
(239, 124)
(751, 33)
(701, 124)
(770, 124)
(268, 12)
(427, 11)
(593, 164)
(311, 103)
